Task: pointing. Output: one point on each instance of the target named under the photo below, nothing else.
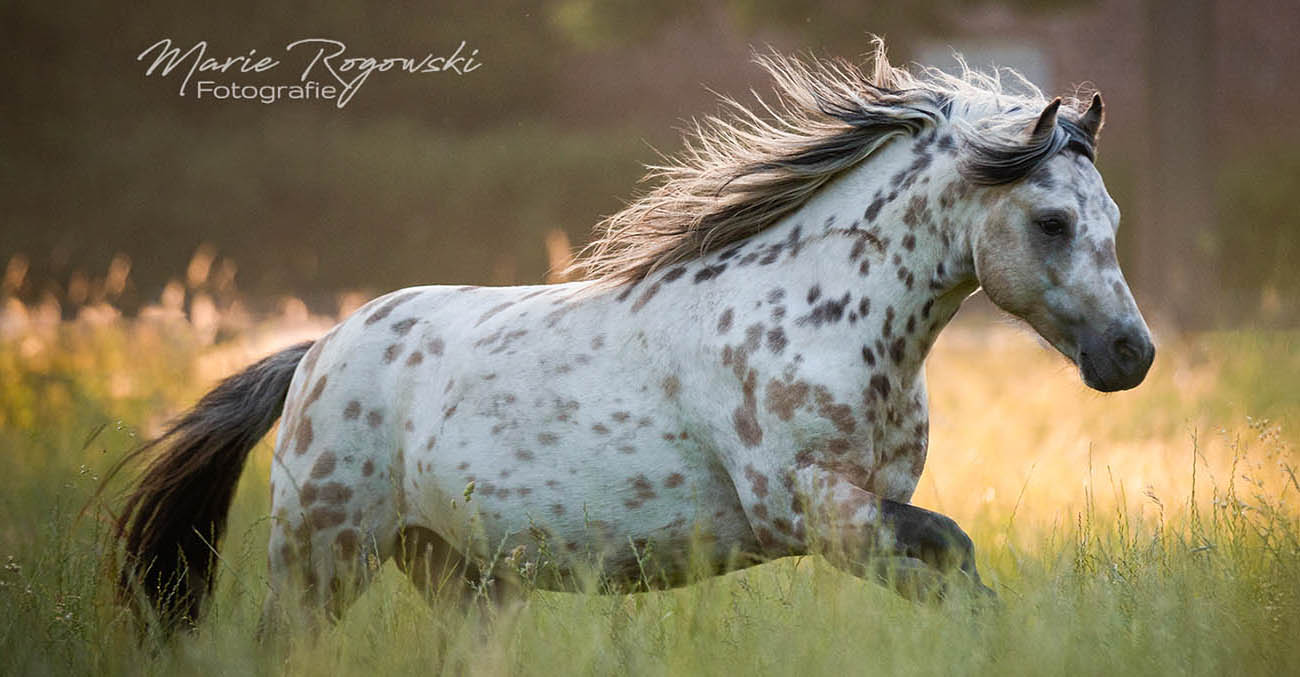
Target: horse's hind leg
(318, 564)
(436, 569)
(443, 575)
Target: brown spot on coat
(403, 327)
(783, 399)
(553, 318)
(388, 306)
(303, 437)
(313, 353)
(757, 481)
(315, 392)
(324, 466)
(880, 384)
(643, 489)
(1103, 253)
(368, 468)
(352, 411)
(374, 419)
(917, 213)
(414, 359)
(547, 438)
(776, 340)
(392, 352)
(898, 350)
(839, 414)
(874, 208)
(744, 418)
(307, 494)
(671, 385)
(493, 311)
(346, 542)
(335, 493)
(725, 320)
(918, 460)
(709, 272)
(645, 297)
(674, 480)
(325, 518)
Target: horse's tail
(173, 520)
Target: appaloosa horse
(741, 372)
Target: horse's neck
(894, 230)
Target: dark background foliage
(445, 178)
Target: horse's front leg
(919, 536)
(914, 549)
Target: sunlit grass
(1153, 531)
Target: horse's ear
(1047, 120)
(1093, 118)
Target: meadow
(1149, 532)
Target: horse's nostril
(1124, 350)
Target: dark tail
(173, 520)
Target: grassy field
(1154, 531)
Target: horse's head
(1045, 252)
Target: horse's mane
(741, 172)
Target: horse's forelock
(990, 158)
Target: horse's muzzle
(1116, 359)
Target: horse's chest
(877, 443)
(901, 435)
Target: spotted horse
(738, 373)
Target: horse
(738, 369)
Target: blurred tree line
(448, 179)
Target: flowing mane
(740, 172)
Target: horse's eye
(1052, 225)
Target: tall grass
(1153, 531)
